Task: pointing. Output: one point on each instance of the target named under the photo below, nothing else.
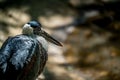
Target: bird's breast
(43, 41)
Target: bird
(23, 57)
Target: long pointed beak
(49, 38)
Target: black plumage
(23, 57)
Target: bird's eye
(33, 26)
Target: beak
(49, 38)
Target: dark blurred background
(88, 29)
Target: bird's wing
(16, 52)
(5, 54)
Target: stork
(24, 56)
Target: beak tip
(61, 45)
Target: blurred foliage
(89, 30)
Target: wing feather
(24, 49)
(16, 52)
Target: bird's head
(34, 28)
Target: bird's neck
(43, 41)
(27, 30)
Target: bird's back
(21, 58)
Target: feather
(17, 55)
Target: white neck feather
(27, 29)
